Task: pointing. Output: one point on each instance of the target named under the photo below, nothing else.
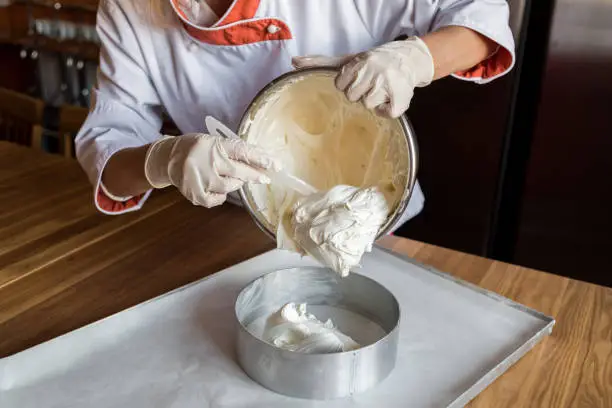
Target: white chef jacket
(192, 71)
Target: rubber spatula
(217, 128)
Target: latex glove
(383, 78)
(206, 168)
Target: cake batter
(351, 155)
(293, 328)
(338, 226)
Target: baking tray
(177, 350)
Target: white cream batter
(339, 148)
(293, 328)
(338, 226)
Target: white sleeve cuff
(112, 196)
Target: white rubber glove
(383, 78)
(206, 168)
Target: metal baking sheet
(178, 350)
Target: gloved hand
(206, 168)
(383, 78)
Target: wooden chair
(71, 119)
(21, 118)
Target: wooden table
(62, 266)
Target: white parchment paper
(178, 350)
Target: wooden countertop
(62, 266)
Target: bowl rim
(383, 339)
(405, 125)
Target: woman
(210, 57)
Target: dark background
(520, 169)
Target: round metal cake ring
(318, 376)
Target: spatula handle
(216, 128)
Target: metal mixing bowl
(278, 85)
(317, 376)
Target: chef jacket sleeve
(387, 20)
(489, 18)
(125, 109)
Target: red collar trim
(239, 10)
(237, 26)
(242, 33)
